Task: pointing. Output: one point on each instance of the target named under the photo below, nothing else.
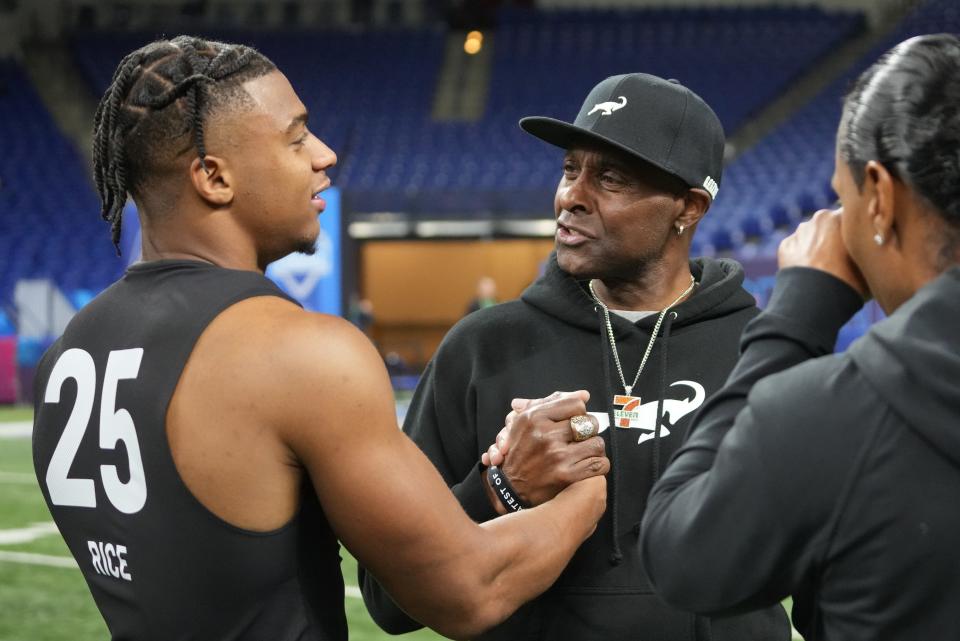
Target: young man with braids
(202, 442)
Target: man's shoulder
(284, 337)
(814, 396)
(494, 323)
(287, 364)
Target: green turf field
(42, 603)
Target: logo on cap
(711, 186)
(607, 108)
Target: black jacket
(554, 338)
(836, 479)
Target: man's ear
(212, 180)
(696, 202)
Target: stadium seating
(787, 175)
(772, 186)
(370, 96)
(48, 209)
(545, 62)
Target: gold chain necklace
(628, 389)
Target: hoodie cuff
(473, 497)
(807, 305)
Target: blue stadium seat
(372, 104)
(794, 163)
(46, 195)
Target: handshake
(546, 445)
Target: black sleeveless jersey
(160, 565)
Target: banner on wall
(314, 281)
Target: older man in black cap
(622, 311)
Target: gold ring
(584, 427)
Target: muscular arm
(392, 509)
(453, 457)
(738, 516)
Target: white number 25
(115, 425)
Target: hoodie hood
(720, 292)
(913, 359)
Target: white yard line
(18, 478)
(28, 534)
(27, 558)
(17, 429)
(38, 559)
(43, 529)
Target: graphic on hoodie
(630, 413)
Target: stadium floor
(43, 596)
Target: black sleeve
(739, 514)
(441, 420)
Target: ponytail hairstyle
(904, 112)
(155, 108)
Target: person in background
(486, 295)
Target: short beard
(633, 270)
(306, 246)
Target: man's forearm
(381, 606)
(496, 567)
(529, 549)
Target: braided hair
(904, 112)
(154, 111)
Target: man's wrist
(504, 492)
(491, 494)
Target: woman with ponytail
(836, 479)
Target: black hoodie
(554, 338)
(832, 478)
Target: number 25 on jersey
(116, 425)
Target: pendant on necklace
(625, 412)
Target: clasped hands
(536, 449)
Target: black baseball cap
(658, 121)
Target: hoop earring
(680, 229)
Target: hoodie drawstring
(616, 556)
(672, 316)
